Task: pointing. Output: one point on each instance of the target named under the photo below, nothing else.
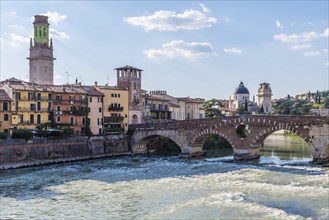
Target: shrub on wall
(3, 135)
(22, 134)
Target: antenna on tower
(67, 77)
(107, 79)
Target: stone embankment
(16, 153)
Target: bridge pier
(246, 154)
(319, 144)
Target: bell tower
(41, 65)
(265, 97)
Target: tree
(211, 108)
(21, 134)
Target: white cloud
(233, 50)
(278, 24)
(181, 48)
(325, 50)
(296, 38)
(300, 46)
(327, 63)
(325, 33)
(171, 21)
(54, 17)
(303, 37)
(312, 53)
(57, 34)
(18, 39)
(204, 8)
(2, 40)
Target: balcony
(113, 120)
(163, 109)
(115, 109)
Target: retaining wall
(19, 153)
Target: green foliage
(211, 108)
(68, 132)
(3, 135)
(241, 110)
(114, 129)
(170, 148)
(22, 134)
(88, 131)
(52, 122)
(288, 107)
(216, 141)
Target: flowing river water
(282, 186)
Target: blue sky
(189, 48)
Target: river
(282, 186)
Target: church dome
(241, 89)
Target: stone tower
(265, 97)
(129, 77)
(41, 57)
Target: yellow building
(116, 108)
(30, 103)
(5, 113)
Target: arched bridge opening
(217, 146)
(156, 145)
(285, 145)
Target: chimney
(96, 83)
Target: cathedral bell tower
(41, 57)
(265, 97)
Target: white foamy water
(166, 188)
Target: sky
(198, 49)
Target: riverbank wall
(15, 153)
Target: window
(39, 106)
(18, 95)
(72, 120)
(100, 109)
(118, 95)
(20, 118)
(39, 96)
(5, 117)
(5, 106)
(83, 121)
(100, 100)
(49, 96)
(32, 107)
(31, 119)
(135, 85)
(58, 107)
(58, 98)
(58, 119)
(112, 95)
(38, 119)
(90, 99)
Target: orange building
(70, 107)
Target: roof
(92, 91)
(4, 96)
(188, 99)
(241, 89)
(128, 67)
(155, 97)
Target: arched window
(5, 117)
(40, 32)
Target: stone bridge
(244, 133)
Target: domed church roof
(241, 89)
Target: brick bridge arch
(191, 134)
